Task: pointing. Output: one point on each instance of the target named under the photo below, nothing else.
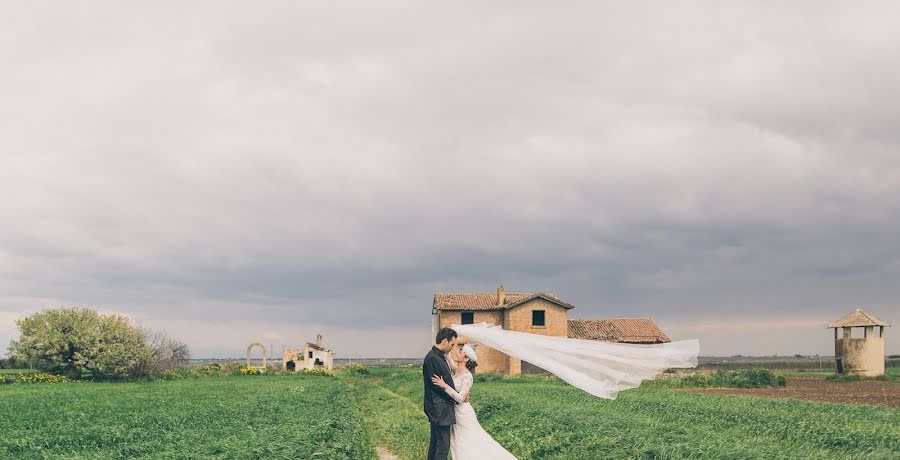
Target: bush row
(220, 369)
(827, 364)
(747, 378)
(206, 370)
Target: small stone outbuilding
(313, 356)
(859, 355)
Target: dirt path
(818, 389)
(394, 409)
(385, 453)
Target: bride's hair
(471, 365)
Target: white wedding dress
(468, 440)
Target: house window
(310, 355)
(537, 318)
(468, 317)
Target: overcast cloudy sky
(228, 172)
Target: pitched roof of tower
(625, 330)
(858, 318)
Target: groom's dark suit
(439, 406)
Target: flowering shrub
(35, 377)
(79, 342)
(251, 371)
(317, 371)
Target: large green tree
(77, 342)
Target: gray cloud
(230, 173)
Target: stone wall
(489, 360)
(556, 320)
(449, 318)
(861, 356)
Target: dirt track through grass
(394, 421)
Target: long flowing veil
(600, 368)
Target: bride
(468, 440)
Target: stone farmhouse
(314, 356)
(535, 313)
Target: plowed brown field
(872, 392)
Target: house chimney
(501, 296)
(319, 340)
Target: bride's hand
(439, 381)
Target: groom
(439, 406)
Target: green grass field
(227, 417)
(318, 417)
(545, 418)
(806, 373)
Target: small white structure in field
(314, 356)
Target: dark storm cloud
(231, 172)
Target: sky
(228, 172)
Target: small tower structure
(859, 355)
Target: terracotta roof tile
(315, 347)
(479, 301)
(624, 330)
